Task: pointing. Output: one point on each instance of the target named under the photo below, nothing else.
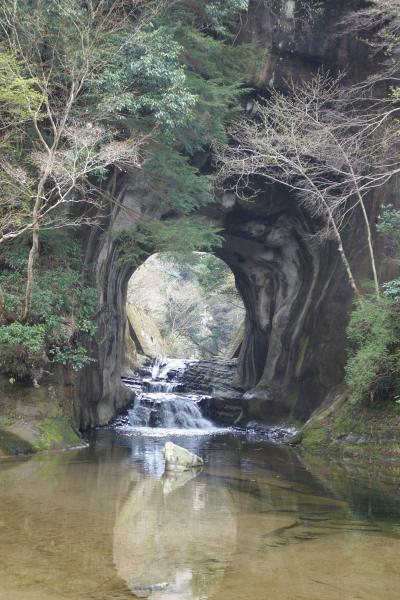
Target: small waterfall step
(161, 401)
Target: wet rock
(274, 433)
(210, 377)
(180, 459)
(222, 401)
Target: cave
(294, 290)
(222, 455)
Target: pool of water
(259, 522)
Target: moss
(314, 435)
(355, 430)
(56, 434)
(6, 421)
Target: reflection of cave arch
(168, 530)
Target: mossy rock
(56, 434)
(23, 437)
(354, 429)
(144, 332)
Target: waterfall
(161, 402)
(156, 367)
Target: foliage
(144, 78)
(389, 225)
(392, 289)
(63, 307)
(373, 366)
(215, 74)
(173, 183)
(215, 16)
(145, 88)
(19, 96)
(183, 236)
(215, 277)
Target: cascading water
(160, 400)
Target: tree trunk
(344, 257)
(34, 251)
(30, 270)
(338, 237)
(371, 248)
(2, 309)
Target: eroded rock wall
(294, 289)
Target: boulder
(180, 459)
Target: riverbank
(35, 419)
(41, 419)
(358, 430)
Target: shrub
(373, 366)
(63, 308)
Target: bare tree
(379, 17)
(327, 143)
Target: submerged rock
(144, 591)
(180, 459)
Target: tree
(372, 369)
(100, 92)
(382, 19)
(110, 74)
(330, 144)
(56, 46)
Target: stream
(260, 521)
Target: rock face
(300, 36)
(180, 459)
(295, 291)
(34, 419)
(216, 380)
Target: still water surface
(258, 523)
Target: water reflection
(258, 522)
(146, 448)
(174, 537)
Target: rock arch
(294, 290)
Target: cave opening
(185, 307)
(185, 326)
